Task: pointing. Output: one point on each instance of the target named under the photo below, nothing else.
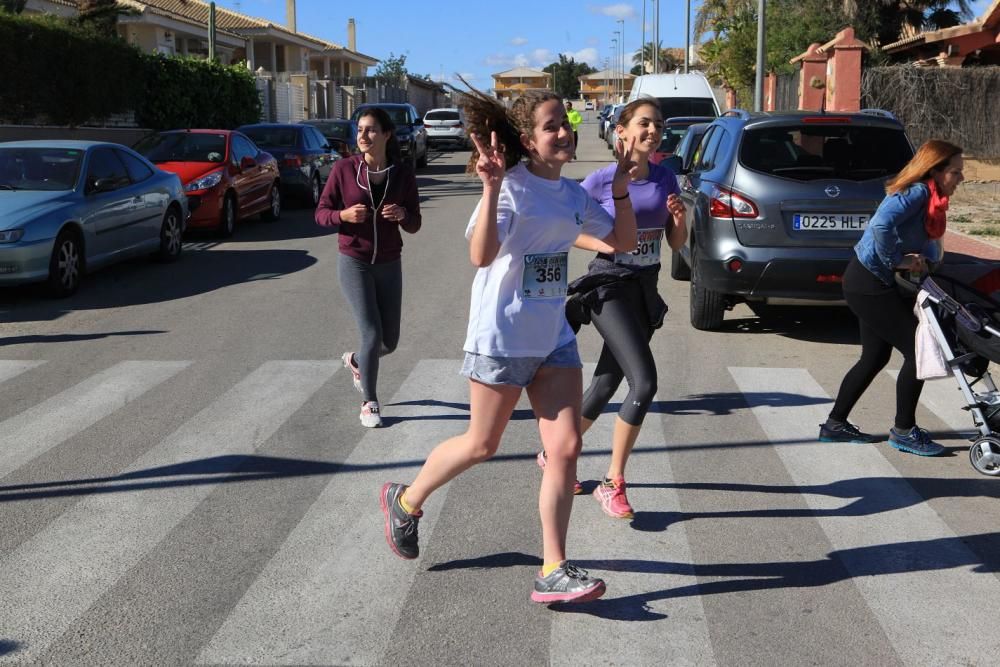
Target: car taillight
(292, 161)
(728, 204)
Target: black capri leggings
(621, 321)
(886, 320)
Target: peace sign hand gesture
(492, 164)
(625, 167)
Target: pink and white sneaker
(577, 487)
(613, 500)
(370, 417)
(348, 359)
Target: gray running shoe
(917, 441)
(567, 583)
(400, 527)
(844, 432)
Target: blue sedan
(67, 207)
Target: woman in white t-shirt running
(518, 337)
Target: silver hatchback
(776, 202)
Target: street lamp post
(618, 63)
(687, 37)
(642, 45)
(623, 61)
(758, 98)
(614, 51)
(656, 36)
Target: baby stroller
(966, 325)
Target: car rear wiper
(785, 170)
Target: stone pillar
(274, 57)
(770, 91)
(326, 67)
(812, 80)
(843, 85)
(250, 58)
(731, 100)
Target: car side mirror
(103, 185)
(247, 162)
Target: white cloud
(588, 55)
(618, 11)
(543, 57)
(593, 41)
(519, 41)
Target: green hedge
(57, 72)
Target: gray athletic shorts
(517, 371)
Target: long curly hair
(484, 114)
(933, 155)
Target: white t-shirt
(518, 301)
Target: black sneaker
(567, 583)
(844, 432)
(400, 527)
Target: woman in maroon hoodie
(370, 196)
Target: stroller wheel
(985, 455)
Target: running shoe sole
(384, 502)
(585, 595)
(853, 441)
(909, 450)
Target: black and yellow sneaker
(400, 527)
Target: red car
(674, 130)
(226, 177)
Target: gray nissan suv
(776, 201)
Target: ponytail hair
(393, 153)
(485, 114)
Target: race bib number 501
(647, 249)
(544, 275)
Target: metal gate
(787, 93)
(290, 103)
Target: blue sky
(477, 38)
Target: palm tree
(644, 57)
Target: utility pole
(614, 60)
(618, 61)
(758, 98)
(642, 46)
(687, 37)
(624, 63)
(656, 36)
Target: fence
(287, 99)
(787, 91)
(954, 104)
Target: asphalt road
(184, 480)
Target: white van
(678, 94)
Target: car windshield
(183, 147)
(334, 130)
(672, 136)
(39, 168)
(826, 150)
(273, 137)
(441, 115)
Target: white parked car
(445, 126)
(589, 106)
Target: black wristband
(624, 196)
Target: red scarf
(937, 212)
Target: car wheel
(422, 162)
(227, 223)
(66, 264)
(273, 211)
(708, 308)
(316, 190)
(170, 236)
(679, 270)
(413, 158)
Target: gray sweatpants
(375, 292)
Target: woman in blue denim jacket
(912, 213)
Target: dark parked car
(340, 133)
(304, 156)
(410, 130)
(776, 201)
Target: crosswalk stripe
(53, 578)
(307, 606)
(53, 421)
(12, 368)
(890, 552)
(595, 537)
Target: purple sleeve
(595, 184)
(669, 180)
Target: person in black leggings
(618, 294)
(912, 214)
